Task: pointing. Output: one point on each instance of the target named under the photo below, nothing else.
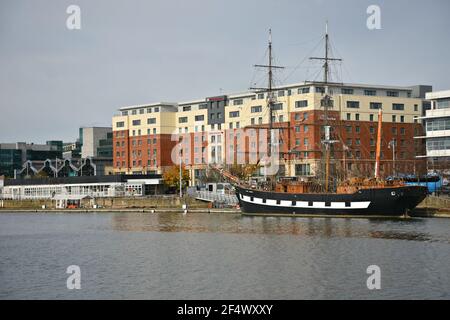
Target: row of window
(140, 111)
(438, 144)
(282, 93)
(438, 124)
(137, 163)
(372, 117)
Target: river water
(220, 256)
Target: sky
(54, 80)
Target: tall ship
(356, 196)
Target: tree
(172, 177)
(243, 171)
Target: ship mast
(377, 158)
(326, 101)
(270, 96)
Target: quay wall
(153, 202)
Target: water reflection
(411, 229)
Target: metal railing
(228, 199)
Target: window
(260, 120)
(376, 105)
(416, 107)
(187, 108)
(370, 92)
(133, 112)
(394, 118)
(398, 106)
(252, 121)
(219, 115)
(357, 129)
(392, 93)
(320, 89)
(438, 144)
(353, 104)
(372, 142)
(349, 116)
(301, 103)
(348, 129)
(303, 90)
(199, 117)
(256, 109)
(281, 93)
(305, 141)
(280, 118)
(237, 102)
(182, 119)
(149, 110)
(443, 104)
(151, 120)
(357, 116)
(277, 106)
(297, 128)
(124, 113)
(371, 117)
(394, 130)
(156, 109)
(303, 170)
(322, 103)
(234, 114)
(305, 115)
(402, 118)
(305, 128)
(438, 124)
(136, 122)
(120, 124)
(260, 95)
(230, 125)
(202, 106)
(346, 91)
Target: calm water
(219, 256)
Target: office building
(232, 128)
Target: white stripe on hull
(305, 204)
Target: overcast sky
(54, 80)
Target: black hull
(389, 202)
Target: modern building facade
(231, 129)
(437, 137)
(95, 139)
(14, 155)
